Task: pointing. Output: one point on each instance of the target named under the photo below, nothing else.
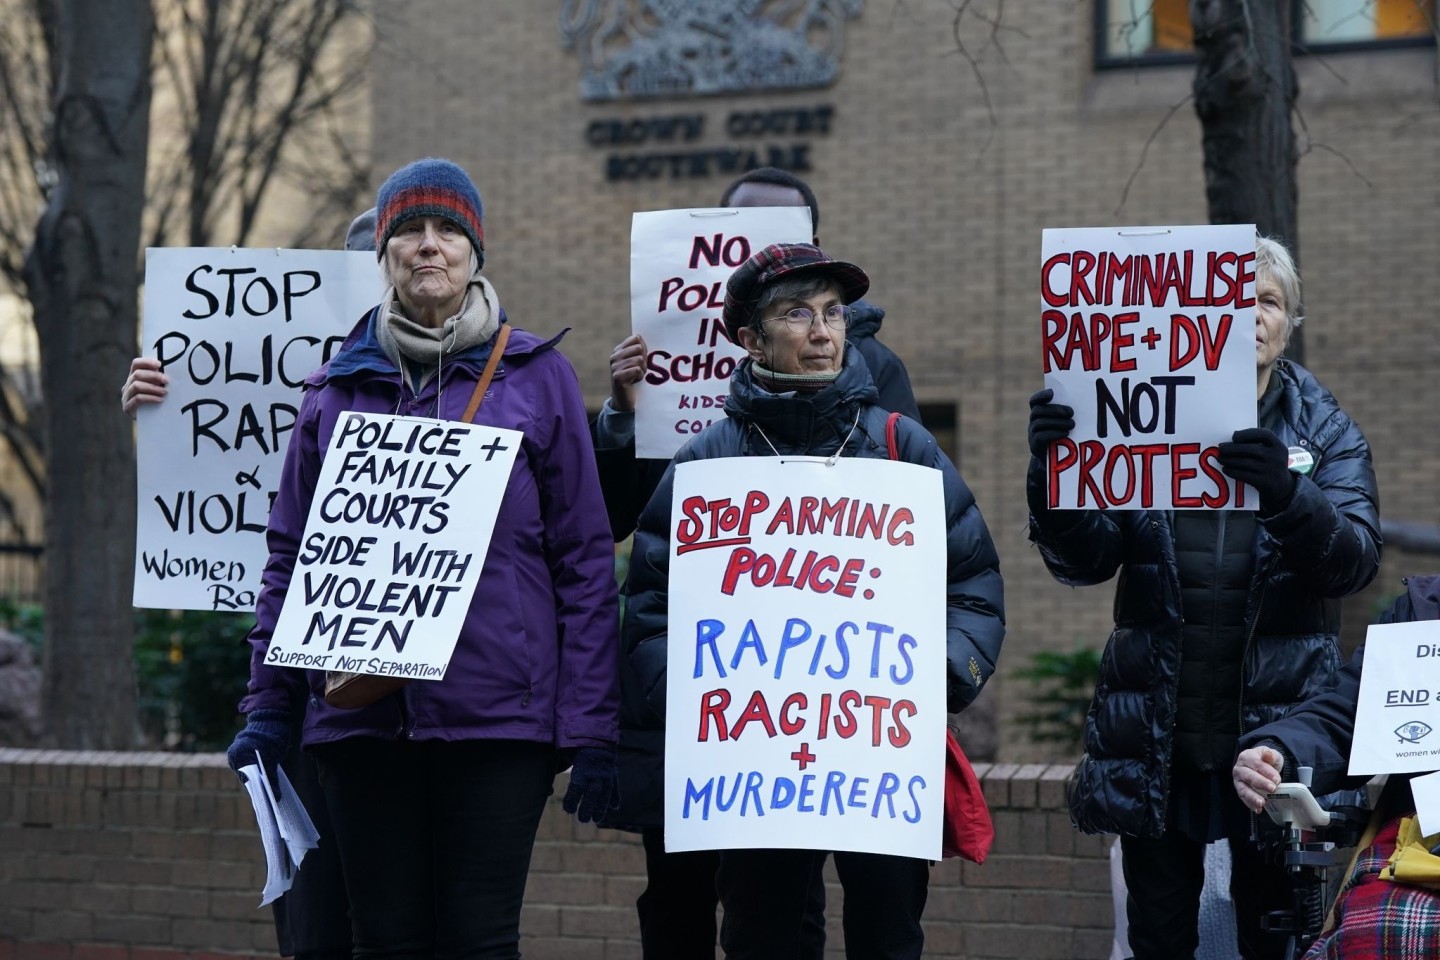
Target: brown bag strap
(488, 373)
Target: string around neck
(830, 460)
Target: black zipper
(1240, 709)
(1215, 588)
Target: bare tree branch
(1145, 148)
(995, 24)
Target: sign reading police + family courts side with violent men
(805, 699)
(237, 332)
(679, 262)
(1148, 333)
(397, 534)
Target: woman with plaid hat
(435, 790)
(801, 391)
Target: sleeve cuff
(614, 428)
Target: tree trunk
(1245, 94)
(82, 279)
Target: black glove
(267, 732)
(1048, 422)
(594, 784)
(1257, 457)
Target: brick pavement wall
(150, 856)
(937, 177)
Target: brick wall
(148, 856)
(938, 179)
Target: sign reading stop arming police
(236, 331)
(679, 262)
(805, 699)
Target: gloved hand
(1048, 422)
(267, 732)
(594, 784)
(1258, 457)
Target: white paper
(1426, 791)
(389, 596)
(279, 868)
(237, 332)
(1397, 718)
(679, 262)
(804, 760)
(1158, 373)
(291, 818)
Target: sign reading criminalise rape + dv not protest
(679, 262)
(398, 530)
(237, 331)
(805, 699)
(1149, 334)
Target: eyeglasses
(837, 317)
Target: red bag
(967, 830)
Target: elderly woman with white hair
(1223, 621)
(435, 789)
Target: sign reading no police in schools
(679, 262)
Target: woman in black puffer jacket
(802, 392)
(1223, 621)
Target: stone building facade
(937, 170)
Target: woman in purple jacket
(435, 791)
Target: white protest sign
(805, 702)
(679, 262)
(1397, 720)
(237, 332)
(397, 533)
(1149, 333)
(1426, 793)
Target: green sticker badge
(1300, 461)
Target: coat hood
(865, 320)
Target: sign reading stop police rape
(397, 534)
(679, 262)
(237, 332)
(1149, 334)
(807, 648)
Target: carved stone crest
(633, 49)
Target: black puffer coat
(892, 380)
(818, 426)
(1323, 546)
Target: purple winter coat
(537, 656)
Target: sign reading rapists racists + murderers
(237, 332)
(679, 262)
(1148, 332)
(397, 533)
(805, 699)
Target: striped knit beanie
(429, 187)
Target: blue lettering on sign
(891, 650)
(745, 794)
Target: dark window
(940, 420)
(1144, 32)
